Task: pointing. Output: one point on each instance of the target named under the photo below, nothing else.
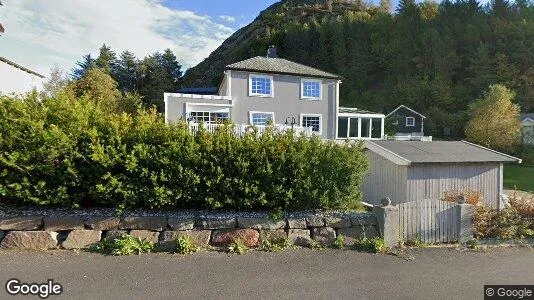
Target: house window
(311, 89)
(208, 117)
(359, 128)
(313, 121)
(258, 118)
(410, 121)
(261, 86)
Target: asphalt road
(318, 274)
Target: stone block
(224, 237)
(143, 223)
(198, 237)
(294, 223)
(29, 240)
(21, 223)
(260, 223)
(358, 232)
(103, 223)
(337, 222)
(315, 221)
(363, 219)
(181, 224)
(78, 239)
(324, 235)
(217, 223)
(299, 237)
(151, 236)
(63, 223)
(465, 217)
(387, 218)
(272, 235)
(114, 234)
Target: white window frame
(303, 80)
(260, 112)
(320, 132)
(413, 121)
(270, 78)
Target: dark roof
(279, 66)
(407, 108)
(527, 116)
(200, 90)
(353, 110)
(438, 152)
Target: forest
(437, 58)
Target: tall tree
(83, 66)
(127, 72)
(494, 120)
(106, 60)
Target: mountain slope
(434, 58)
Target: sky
(42, 34)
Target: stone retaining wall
(74, 232)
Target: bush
(237, 247)
(72, 153)
(373, 245)
(339, 243)
(124, 245)
(275, 245)
(508, 223)
(184, 245)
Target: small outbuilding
(406, 171)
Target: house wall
(528, 132)
(175, 107)
(384, 179)
(431, 181)
(286, 101)
(400, 116)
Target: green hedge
(66, 152)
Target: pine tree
(83, 66)
(127, 72)
(106, 60)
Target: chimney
(271, 52)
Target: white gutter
(519, 160)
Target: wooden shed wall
(384, 179)
(431, 181)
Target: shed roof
(408, 152)
(279, 66)
(353, 110)
(527, 116)
(407, 108)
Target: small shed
(407, 121)
(407, 171)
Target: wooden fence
(429, 221)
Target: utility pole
(14, 64)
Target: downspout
(337, 110)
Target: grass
(519, 177)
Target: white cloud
(40, 34)
(228, 19)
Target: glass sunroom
(357, 124)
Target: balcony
(241, 129)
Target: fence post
(465, 220)
(387, 217)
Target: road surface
(443, 273)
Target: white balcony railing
(409, 137)
(240, 129)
